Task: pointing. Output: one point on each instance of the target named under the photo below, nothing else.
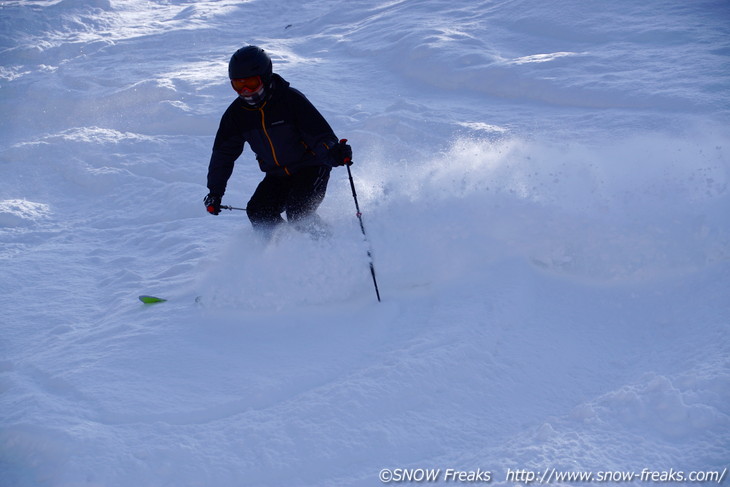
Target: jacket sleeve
(316, 132)
(227, 147)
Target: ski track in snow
(545, 190)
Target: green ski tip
(151, 299)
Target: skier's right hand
(212, 204)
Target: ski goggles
(246, 85)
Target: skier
(293, 143)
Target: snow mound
(683, 407)
(14, 213)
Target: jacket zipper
(271, 144)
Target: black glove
(213, 204)
(341, 154)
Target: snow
(545, 190)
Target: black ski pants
(298, 195)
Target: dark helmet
(250, 61)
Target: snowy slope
(544, 185)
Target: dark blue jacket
(286, 133)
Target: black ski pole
(225, 207)
(362, 227)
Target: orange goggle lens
(246, 85)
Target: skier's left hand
(341, 154)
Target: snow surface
(545, 190)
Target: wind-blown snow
(545, 191)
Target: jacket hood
(278, 82)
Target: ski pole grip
(347, 159)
